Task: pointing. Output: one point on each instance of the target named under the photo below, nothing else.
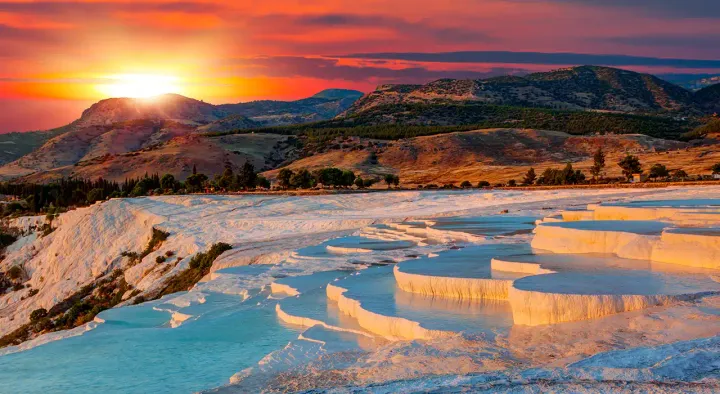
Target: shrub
(466, 185)
(6, 239)
(160, 259)
(630, 165)
(512, 183)
(205, 260)
(716, 168)
(566, 176)
(15, 272)
(38, 314)
(482, 184)
(530, 177)
(658, 171)
(96, 194)
(680, 174)
(169, 253)
(199, 266)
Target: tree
(359, 183)
(680, 174)
(96, 194)
(396, 180)
(227, 180)
(247, 177)
(658, 171)
(330, 176)
(530, 176)
(389, 179)
(598, 164)
(302, 179)
(566, 176)
(716, 168)
(630, 165)
(262, 182)
(466, 185)
(284, 177)
(512, 183)
(38, 314)
(348, 177)
(482, 184)
(167, 182)
(195, 182)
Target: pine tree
(529, 177)
(598, 163)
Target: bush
(482, 184)
(15, 272)
(680, 174)
(199, 266)
(38, 314)
(96, 194)
(466, 185)
(716, 168)
(658, 171)
(630, 165)
(204, 260)
(6, 239)
(160, 259)
(566, 176)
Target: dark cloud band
(534, 58)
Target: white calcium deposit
(88, 242)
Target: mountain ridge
(574, 88)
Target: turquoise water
(136, 352)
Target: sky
(58, 57)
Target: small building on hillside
(638, 178)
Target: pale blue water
(135, 352)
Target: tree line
(328, 177)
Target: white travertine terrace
(628, 239)
(591, 263)
(389, 327)
(452, 287)
(695, 247)
(437, 235)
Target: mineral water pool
(135, 351)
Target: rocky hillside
(576, 88)
(131, 149)
(498, 155)
(709, 98)
(51, 148)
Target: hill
(708, 98)
(394, 121)
(195, 114)
(576, 88)
(498, 155)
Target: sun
(139, 85)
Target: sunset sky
(57, 57)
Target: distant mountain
(109, 116)
(166, 107)
(338, 94)
(709, 98)
(692, 81)
(576, 88)
(231, 122)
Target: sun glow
(139, 85)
